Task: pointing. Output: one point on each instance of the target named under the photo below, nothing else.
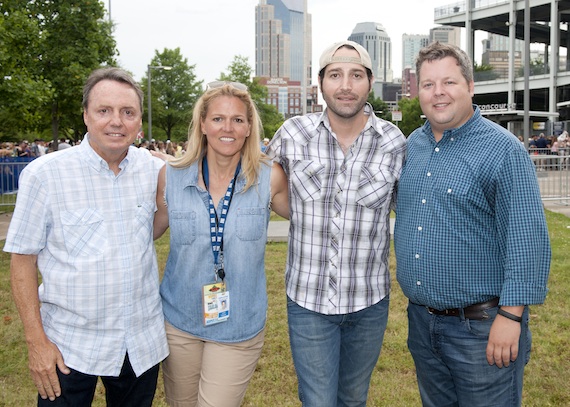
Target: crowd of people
(86, 219)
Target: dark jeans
(78, 389)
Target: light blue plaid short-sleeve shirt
(92, 233)
(340, 205)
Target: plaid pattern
(470, 224)
(92, 232)
(340, 206)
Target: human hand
(43, 359)
(162, 156)
(503, 345)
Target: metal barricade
(553, 175)
(10, 168)
(552, 171)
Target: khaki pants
(208, 374)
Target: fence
(11, 167)
(552, 171)
(553, 174)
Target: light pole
(149, 67)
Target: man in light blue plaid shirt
(471, 241)
(343, 166)
(84, 219)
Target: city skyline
(211, 34)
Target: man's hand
(43, 359)
(503, 345)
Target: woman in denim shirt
(216, 200)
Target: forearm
(24, 280)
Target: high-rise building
(374, 38)
(283, 45)
(411, 45)
(446, 35)
(281, 40)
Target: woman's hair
(111, 74)
(437, 51)
(251, 155)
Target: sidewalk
(278, 230)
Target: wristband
(508, 315)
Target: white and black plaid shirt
(339, 237)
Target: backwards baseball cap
(328, 56)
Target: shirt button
(449, 191)
(420, 228)
(417, 256)
(452, 139)
(429, 174)
(418, 283)
(437, 149)
(424, 201)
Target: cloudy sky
(210, 33)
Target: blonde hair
(251, 155)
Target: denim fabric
(451, 366)
(334, 355)
(190, 263)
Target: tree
(24, 94)
(64, 41)
(240, 71)
(173, 93)
(484, 73)
(411, 115)
(75, 39)
(381, 108)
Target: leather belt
(475, 311)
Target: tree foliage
(173, 95)
(48, 49)
(381, 108)
(239, 70)
(411, 115)
(484, 73)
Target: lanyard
(217, 225)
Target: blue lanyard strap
(217, 225)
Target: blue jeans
(127, 390)
(334, 355)
(451, 366)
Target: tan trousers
(201, 373)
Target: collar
(190, 177)
(459, 132)
(97, 162)
(372, 123)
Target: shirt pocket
(375, 187)
(83, 232)
(306, 180)
(251, 223)
(182, 227)
(144, 216)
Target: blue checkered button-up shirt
(470, 224)
(340, 207)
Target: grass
(393, 381)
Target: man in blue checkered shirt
(471, 241)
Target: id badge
(216, 303)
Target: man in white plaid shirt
(84, 219)
(343, 166)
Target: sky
(210, 33)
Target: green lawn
(393, 381)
